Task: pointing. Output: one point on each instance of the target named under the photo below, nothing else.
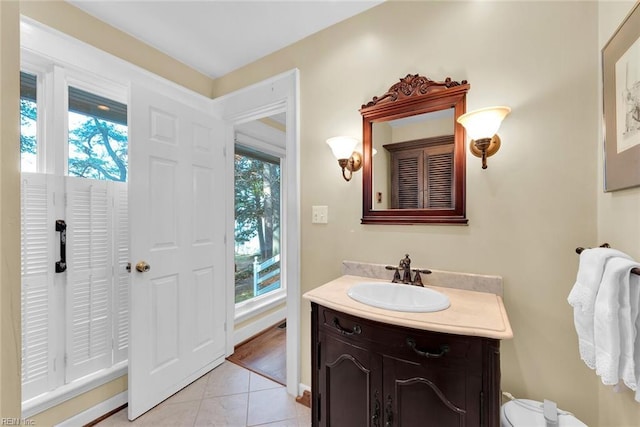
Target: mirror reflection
(413, 161)
(414, 157)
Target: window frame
(42, 69)
(255, 306)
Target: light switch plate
(319, 214)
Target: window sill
(247, 309)
(66, 392)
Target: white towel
(634, 293)
(630, 345)
(614, 328)
(583, 297)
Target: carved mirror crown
(418, 173)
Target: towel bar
(634, 270)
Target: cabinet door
(432, 380)
(419, 395)
(349, 384)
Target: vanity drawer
(433, 347)
(401, 342)
(350, 327)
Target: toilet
(530, 413)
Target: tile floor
(228, 396)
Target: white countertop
(471, 313)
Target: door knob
(143, 267)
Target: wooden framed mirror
(414, 153)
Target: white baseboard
(254, 328)
(302, 388)
(96, 411)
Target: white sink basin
(399, 297)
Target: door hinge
(224, 151)
(66, 359)
(225, 326)
(318, 354)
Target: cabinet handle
(444, 349)
(356, 328)
(375, 418)
(389, 411)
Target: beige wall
(618, 224)
(9, 211)
(382, 134)
(527, 212)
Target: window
(28, 122)
(97, 137)
(257, 223)
(74, 323)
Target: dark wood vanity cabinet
(367, 373)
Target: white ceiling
(216, 37)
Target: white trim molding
(276, 95)
(242, 334)
(302, 388)
(255, 306)
(95, 412)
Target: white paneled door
(177, 210)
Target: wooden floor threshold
(305, 399)
(265, 354)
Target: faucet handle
(417, 280)
(396, 275)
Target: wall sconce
(343, 148)
(482, 125)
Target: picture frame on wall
(621, 105)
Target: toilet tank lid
(526, 412)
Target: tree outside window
(257, 216)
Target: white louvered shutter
(121, 276)
(37, 268)
(89, 277)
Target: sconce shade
(342, 146)
(483, 123)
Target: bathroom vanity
(378, 367)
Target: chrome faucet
(405, 266)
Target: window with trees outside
(74, 310)
(257, 224)
(97, 136)
(28, 122)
